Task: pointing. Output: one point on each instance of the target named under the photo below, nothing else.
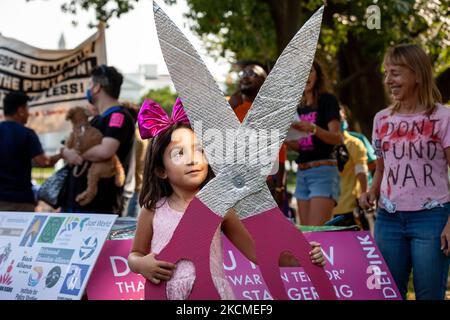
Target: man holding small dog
(117, 127)
(19, 147)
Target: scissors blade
(203, 101)
(276, 103)
(273, 109)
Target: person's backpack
(342, 156)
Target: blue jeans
(320, 181)
(411, 240)
(133, 206)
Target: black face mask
(89, 96)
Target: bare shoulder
(145, 221)
(144, 231)
(146, 216)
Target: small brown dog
(83, 137)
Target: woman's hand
(72, 157)
(316, 254)
(367, 200)
(304, 126)
(293, 145)
(156, 270)
(445, 239)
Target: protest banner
(49, 256)
(354, 266)
(55, 80)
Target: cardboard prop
(239, 186)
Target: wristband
(314, 130)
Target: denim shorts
(322, 181)
(410, 240)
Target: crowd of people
(341, 177)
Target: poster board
(49, 256)
(354, 264)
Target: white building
(137, 84)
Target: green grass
(41, 174)
(291, 181)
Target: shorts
(322, 181)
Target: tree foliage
(259, 29)
(244, 28)
(352, 52)
(164, 96)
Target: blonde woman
(412, 143)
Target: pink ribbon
(152, 118)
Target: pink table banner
(354, 265)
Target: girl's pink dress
(179, 286)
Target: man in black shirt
(117, 126)
(19, 146)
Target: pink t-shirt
(415, 167)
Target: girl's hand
(367, 200)
(157, 270)
(445, 239)
(304, 126)
(316, 254)
(288, 260)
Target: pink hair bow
(152, 118)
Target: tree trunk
(360, 84)
(286, 17)
(443, 83)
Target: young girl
(175, 170)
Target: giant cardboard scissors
(240, 186)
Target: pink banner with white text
(354, 266)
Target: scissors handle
(191, 241)
(274, 234)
